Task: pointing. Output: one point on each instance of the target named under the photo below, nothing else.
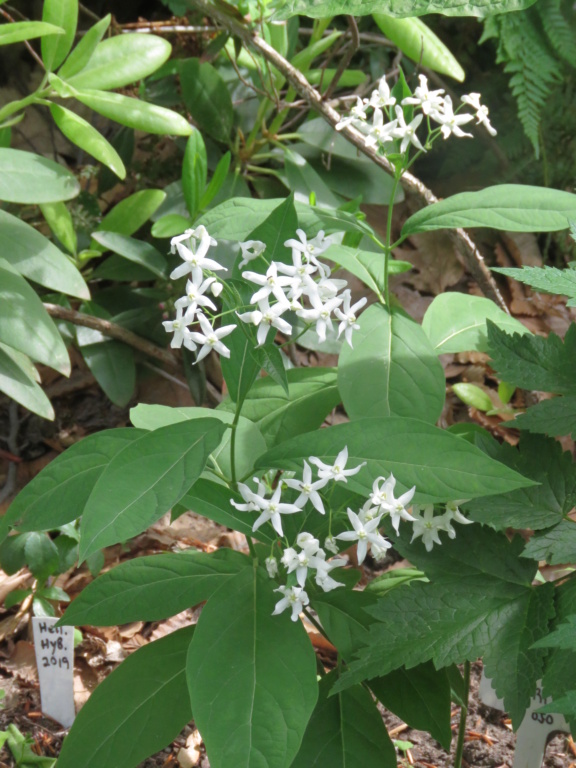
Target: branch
(472, 256)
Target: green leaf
(113, 366)
(59, 493)
(318, 9)
(456, 322)
(217, 180)
(207, 98)
(249, 441)
(25, 324)
(81, 133)
(60, 222)
(18, 31)
(135, 113)
(545, 279)
(443, 467)
(345, 731)
(535, 362)
(170, 225)
(144, 480)
(564, 636)
(35, 257)
(16, 382)
(472, 395)
(303, 180)
(556, 545)
(554, 417)
(119, 61)
(41, 555)
(254, 709)
(194, 172)
(153, 588)
(63, 13)
(510, 207)
(367, 266)
(392, 370)
(560, 673)
(83, 51)
(312, 394)
(417, 41)
(29, 178)
(131, 213)
(137, 251)
(136, 711)
(539, 506)
(480, 606)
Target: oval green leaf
(60, 222)
(82, 53)
(170, 225)
(392, 369)
(456, 322)
(81, 133)
(63, 13)
(207, 98)
(119, 61)
(16, 382)
(29, 178)
(194, 172)
(26, 30)
(510, 207)
(134, 250)
(113, 366)
(135, 113)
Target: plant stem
(234, 427)
(463, 715)
(388, 246)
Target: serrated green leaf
(545, 279)
(119, 61)
(535, 362)
(144, 480)
(154, 587)
(456, 322)
(18, 31)
(564, 636)
(207, 98)
(510, 207)
(441, 466)
(29, 178)
(554, 417)
(318, 9)
(539, 506)
(17, 383)
(136, 711)
(134, 250)
(82, 52)
(391, 370)
(312, 394)
(25, 324)
(251, 710)
(64, 14)
(345, 731)
(556, 545)
(560, 673)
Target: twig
(424, 196)
(350, 51)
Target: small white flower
(320, 313)
(473, 100)
(336, 471)
(356, 117)
(407, 132)
(310, 249)
(271, 510)
(271, 566)
(209, 339)
(383, 496)
(216, 289)
(308, 489)
(251, 249)
(427, 526)
(323, 568)
(369, 512)
(270, 282)
(303, 560)
(177, 327)
(251, 498)
(267, 317)
(195, 298)
(451, 122)
(194, 257)
(453, 513)
(294, 598)
(331, 545)
(347, 316)
(383, 96)
(364, 534)
(429, 101)
(380, 132)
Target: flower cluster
(307, 558)
(196, 306)
(389, 117)
(304, 287)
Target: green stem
(234, 427)
(463, 715)
(388, 246)
(16, 106)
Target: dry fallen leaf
(435, 260)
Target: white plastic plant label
(535, 729)
(54, 648)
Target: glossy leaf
(170, 225)
(194, 172)
(58, 494)
(441, 466)
(144, 480)
(29, 178)
(25, 324)
(16, 382)
(135, 113)
(84, 49)
(252, 710)
(60, 222)
(510, 207)
(456, 322)
(318, 9)
(367, 266)
(220, 173)
(81, 133)
(473, 395)
(131, 213)
(207, 98)
(345, 731)
(417, 41)
(136, 711)
(119, 61)
(392, 370)
(112, 365)
(34, 256)
(303, 180)
(62, 13)
(27, 30)
(154, 587)
(137, 251)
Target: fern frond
(559, 31)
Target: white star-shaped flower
(336, 471)
(383, 497)
(473, 100)
(407, 132)
(427, 525)
(271, 510)
(294, 598)
(347, 315)
(209, 339)
(450, 122)
(308, 489)
(251, 249)
(429, 101)
(364, 534)
(382, 97)
(194, 256)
